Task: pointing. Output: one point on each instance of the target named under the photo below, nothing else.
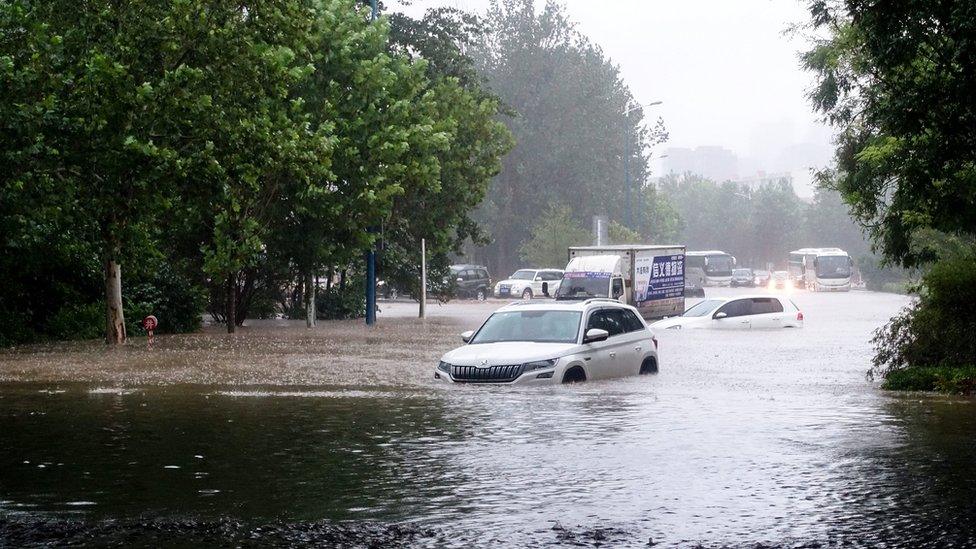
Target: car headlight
(444, 367)
(539, 365)
(675, 327)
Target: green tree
(569, 115)
(896, 80)
(467, 114)
(554, 232)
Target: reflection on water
(489, 464)
(754, 437)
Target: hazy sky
(724, 69)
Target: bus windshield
(719, 265)
(834, 266)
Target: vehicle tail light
(654, 339)
(799, 316)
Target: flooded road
(742, 438)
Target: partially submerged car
(737, 313)
(553, 342)
(529, 283)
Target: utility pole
(423, 278)
(371, 253)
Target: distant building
(716, 163)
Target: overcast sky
(724, 69)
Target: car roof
(582, 305)
(461, 267)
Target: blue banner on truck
(665, 275)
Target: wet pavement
(342, 438)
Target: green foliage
(174, 299)
(944, 379)
(556, 230)
(937, 330)
(896, 80)
(77, 321)
(341, 302)
(620, 234)
(568, 107)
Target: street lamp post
(371, 253)
(628, 185)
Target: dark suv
(471, 281)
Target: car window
(631, 322)
(483, 274)
(739, 307)
(615, 321)
(598, 321)
(538, 326)
(766, 305)
(551, 275)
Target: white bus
(821, 269)
(796, 266)
(709, 268)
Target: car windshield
(742, 272)
(524, 274)
(833, 266)
(762, 273)
(702, 308)
(583, 287)
(535, 326)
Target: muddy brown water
(742, 438)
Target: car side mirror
(719, 315)
(594, 335)
(545, 289)
(466, 336)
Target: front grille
(488, 374)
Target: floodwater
(743, 438)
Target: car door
(598, 357)
(637, 339)
(620, 350)
(766, 313)
(736, 315)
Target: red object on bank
(149, 324)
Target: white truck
(651, 278)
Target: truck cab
(594, 276)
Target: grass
(959, 380)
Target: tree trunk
(231, 313)
(309, 301)
(114, 317)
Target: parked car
(471, 281)
(762, 278)
(528, 283)
(742, 277)
(726, 313)
(781, 279)
(529, 343)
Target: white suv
(526, 343)
(527, 283)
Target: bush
(946, 379)
(341, 302)
(83, 321)
(174, 299)
(936, 331)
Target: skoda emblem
(484, 362)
